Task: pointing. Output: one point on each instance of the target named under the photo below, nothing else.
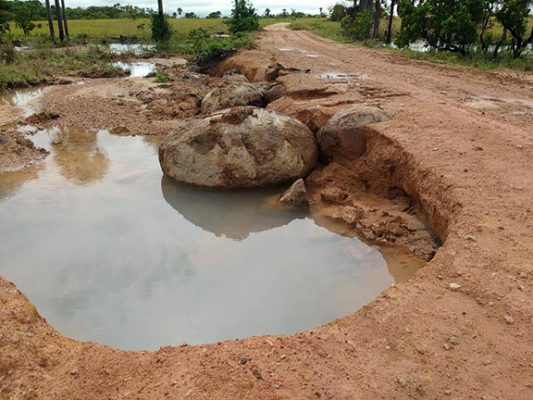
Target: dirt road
(461, 143)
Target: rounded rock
(237, 148)
(234, 90)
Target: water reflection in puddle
(137, 48)
(343, 75)
(22, 99)
(136, 69)
(109, 251)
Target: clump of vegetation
(447, 25)
(161, 31)
(358, 26)
(243, 18)
(161, 77)
(461, 25)
(205, 48)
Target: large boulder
(234, 90)
(239, 147)
(342, 134)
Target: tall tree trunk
(160, 7)
(50, 20)
(391, 17)
(59, 20)
(377, 18)
(502, 39)
(64, 14)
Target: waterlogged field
(109, 28)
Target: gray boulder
(234, 90)
(239, 147)
(342, 136)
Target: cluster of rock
(236, 143)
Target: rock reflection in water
(11, 181)
(78, 155)
(233, 214)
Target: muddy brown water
(111, 251)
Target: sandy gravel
(461, 143)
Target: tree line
(459, 26)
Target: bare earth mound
(462, 328)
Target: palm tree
(179, 11)
(64, 14)
(50, 20)
(160, 8)
(59, 20)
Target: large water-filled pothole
(111, 252)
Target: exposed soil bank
(460, 329)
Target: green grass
(139, 28)
(35, 67)
(44, 61)
(114, 28)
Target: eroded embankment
(365, 179)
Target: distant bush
(206, 49)
(358, 27)
(243, 18)
(161, 31)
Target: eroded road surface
(460, 142)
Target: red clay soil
(461, 144)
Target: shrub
(161, 31)
(206, 49)
(243, 18)
(358, 27)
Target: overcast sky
(202, 7)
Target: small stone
(470, 238)
(508, 319)
(402, 381)
(447, 392)
(333, 195)
(256, 373)
(454, 286)
(454, 340)
(243, 360)
(296, 195)
(447, 346)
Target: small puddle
(110, 251)
(136, 69)
(343, 75)
(137, 48)
(18, 104)
(22, 97)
